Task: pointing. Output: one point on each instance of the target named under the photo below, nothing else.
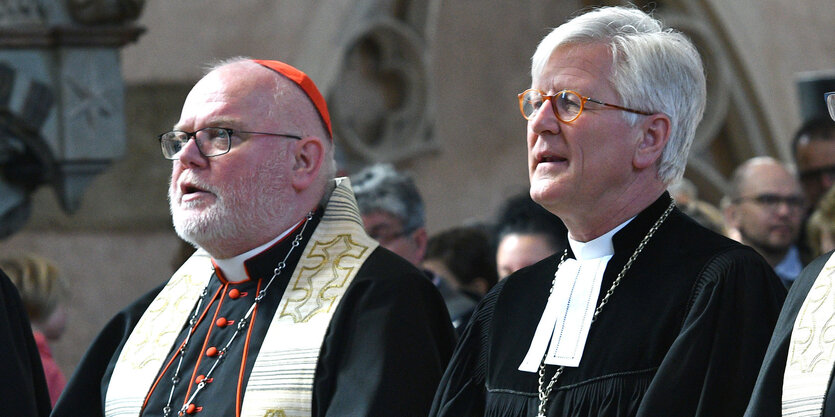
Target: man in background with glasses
(393, 214)
(796, 378)
(763, 209)
(288, 308)
(647, 313)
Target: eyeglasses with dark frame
(211, 141)
(567, 104)
(773, 201)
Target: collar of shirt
(233, 268)
(597, 247)
(789, 268)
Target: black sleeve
(462, 390)
(711, 367)
(387, 344)
(23, 391)
(85, 392)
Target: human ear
(308, 156)
(655, 133)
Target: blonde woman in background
(820, 229)
(44, 293)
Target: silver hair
(380, 188)
(655, 69)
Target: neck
(231, 247)
(584, 226)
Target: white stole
(811, 353)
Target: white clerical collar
(560, 336)
(597, 247)
(233, 268)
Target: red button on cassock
(234, 293)
(191, 408)
(221, 322)
(199, 378)
(212, 351)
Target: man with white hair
(647, 313)
(288, 308)
(796, 374)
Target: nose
(190, 154)
(545, 120)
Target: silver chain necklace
(545, 392)
(242, 323)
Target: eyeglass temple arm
(618, 107)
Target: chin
(197, 227)
(544, 192)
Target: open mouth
(551, 158)
(190, 190)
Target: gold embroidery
(323, 264)
(141, 354)
(813, 341)
(275, 413)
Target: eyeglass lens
(211, 141)
(567, 105)
(773, 201)
(830, 102)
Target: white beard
(244, 210)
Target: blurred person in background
(525, 234)
(463, 256)
(820, 229)
(44, 293)
(686, 196)
(394, 214)
(764, 209)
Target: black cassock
(683, 335)
(768, 392)
(23, 390)
(384, 352)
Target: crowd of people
(606, 289)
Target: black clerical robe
(768, 392)
(23, 390)
(683, 335)
(384, 352)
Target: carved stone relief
(61, 106)
(20, 12)
(380, 94)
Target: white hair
(654, 69)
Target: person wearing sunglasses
(288, 308)
(646, 313)
(796, 377)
